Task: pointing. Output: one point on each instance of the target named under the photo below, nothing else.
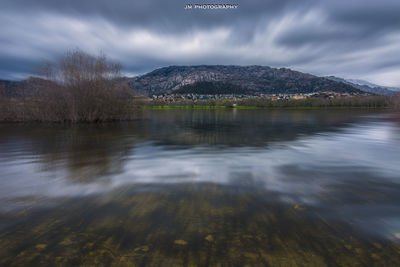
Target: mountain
(372, 85)
(219, 79)
(230, 79)
(362, 82)
(211, 88)
(367, 86)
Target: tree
(80, 87)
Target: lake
(204, 188)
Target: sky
(358, 39)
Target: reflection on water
(203, 188)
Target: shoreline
(200, 107)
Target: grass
(242, 107)
(163, 107)
(355, 102)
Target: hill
(367, 86)
(231, 79)
(219, 79)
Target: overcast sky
(347, 38)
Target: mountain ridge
(367, 86)
(223, 79)
(254, 79)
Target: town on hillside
(170, 98)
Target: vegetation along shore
(80, 87)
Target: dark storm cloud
(352, 38)
(153, 13)
(370, 16)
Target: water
(204, 188)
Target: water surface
(204, 188)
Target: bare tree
(396, 102)
(81, 87)
(2, 90)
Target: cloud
(355, 39)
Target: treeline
(78, 88)
(317, 102)
(345, 101)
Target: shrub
(79, 87)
